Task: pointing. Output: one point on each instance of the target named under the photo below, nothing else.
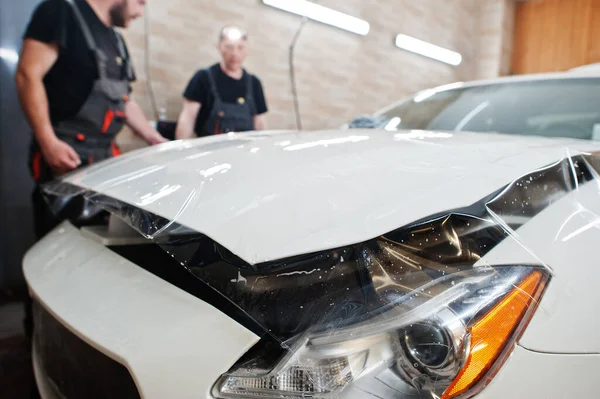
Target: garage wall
(496, 38)
(556, 35)
(340, 75)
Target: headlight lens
(427, 344)
(441, 346)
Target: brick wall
(508, 33)
(340, 75)
(496, 29)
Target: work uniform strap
(89, 38)
(87, 34)
(249, 88)
(250, 93)
(124, 56)
(213, 85)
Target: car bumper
(101, 319)
(110, 308)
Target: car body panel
(271, 196)
(562, 238)
(122, 311)
(129, 326)
(528, 374)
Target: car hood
(271, 195)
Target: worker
(74, 84)
(224, 97)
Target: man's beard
(118, 14)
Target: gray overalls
(230, 117)
(92, 131)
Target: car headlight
(443, 340)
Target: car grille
(73, 368)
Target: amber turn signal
(491, 334)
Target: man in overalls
(73, 81)
(223, 98)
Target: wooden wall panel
(547, 23)
(556, 35)
(594, 33)
(580, 32)
(562, 45)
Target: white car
(447, 254)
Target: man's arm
(260, 122)
(187, 120)
(260, 119)
(36, 60)
(138, 122)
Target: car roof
(586, 71)
(582, 72)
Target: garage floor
(16, 375)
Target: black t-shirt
(70, 80)
(230, 89)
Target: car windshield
(551, 108)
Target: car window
(552, 108)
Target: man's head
(123, 12)
(233, 47)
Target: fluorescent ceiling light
(428, 50)
(322, 14)
(9, 55)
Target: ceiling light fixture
(322, 14)
(428, 50)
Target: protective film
(431, 309)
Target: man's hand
(36, 60)
(157, 139)
(187, 119)
(137, 121)
(60, 156)
(260, 122)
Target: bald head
(232, 33)
(233, 47)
